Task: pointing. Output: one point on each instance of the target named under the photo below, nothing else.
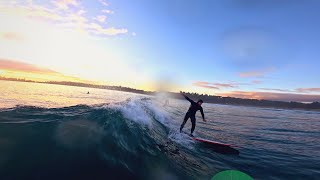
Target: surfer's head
(200, 102)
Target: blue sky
(204, 40)
(220, 47)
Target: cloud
(81, 12)
(304, 90)
(60, 14)
(64, 4)
(225, 85)
(11, 36)
(67, 42)
(215, 85)
(32, 11)
(256, 82)
(101, 18)
(251, 74)
(98, 29)
(205, 85)
(275, 89)
(298, 90)
(107, 11)
(24, 67)
(104, 3)
(255, 74)
(272, 96)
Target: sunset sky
(244, 48)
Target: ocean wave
(123, 135)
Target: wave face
(114, 141)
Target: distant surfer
(166, 103)
(194, 107)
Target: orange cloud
(21, 70)
(24, 67)
(272, 96)
(11, 36)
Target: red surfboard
(210, 142)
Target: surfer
(166, 103)
(194, 107)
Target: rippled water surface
(61, 132)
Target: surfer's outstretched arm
(202, 114)
(187, 98)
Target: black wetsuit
(194, 107)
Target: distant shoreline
(206, 98)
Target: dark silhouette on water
(194, 107)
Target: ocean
(61, 132)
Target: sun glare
(70, 51)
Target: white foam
(144, 111)
(132, 109)
(181, 138)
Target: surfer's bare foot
(191, 135)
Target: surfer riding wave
(191, 113)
